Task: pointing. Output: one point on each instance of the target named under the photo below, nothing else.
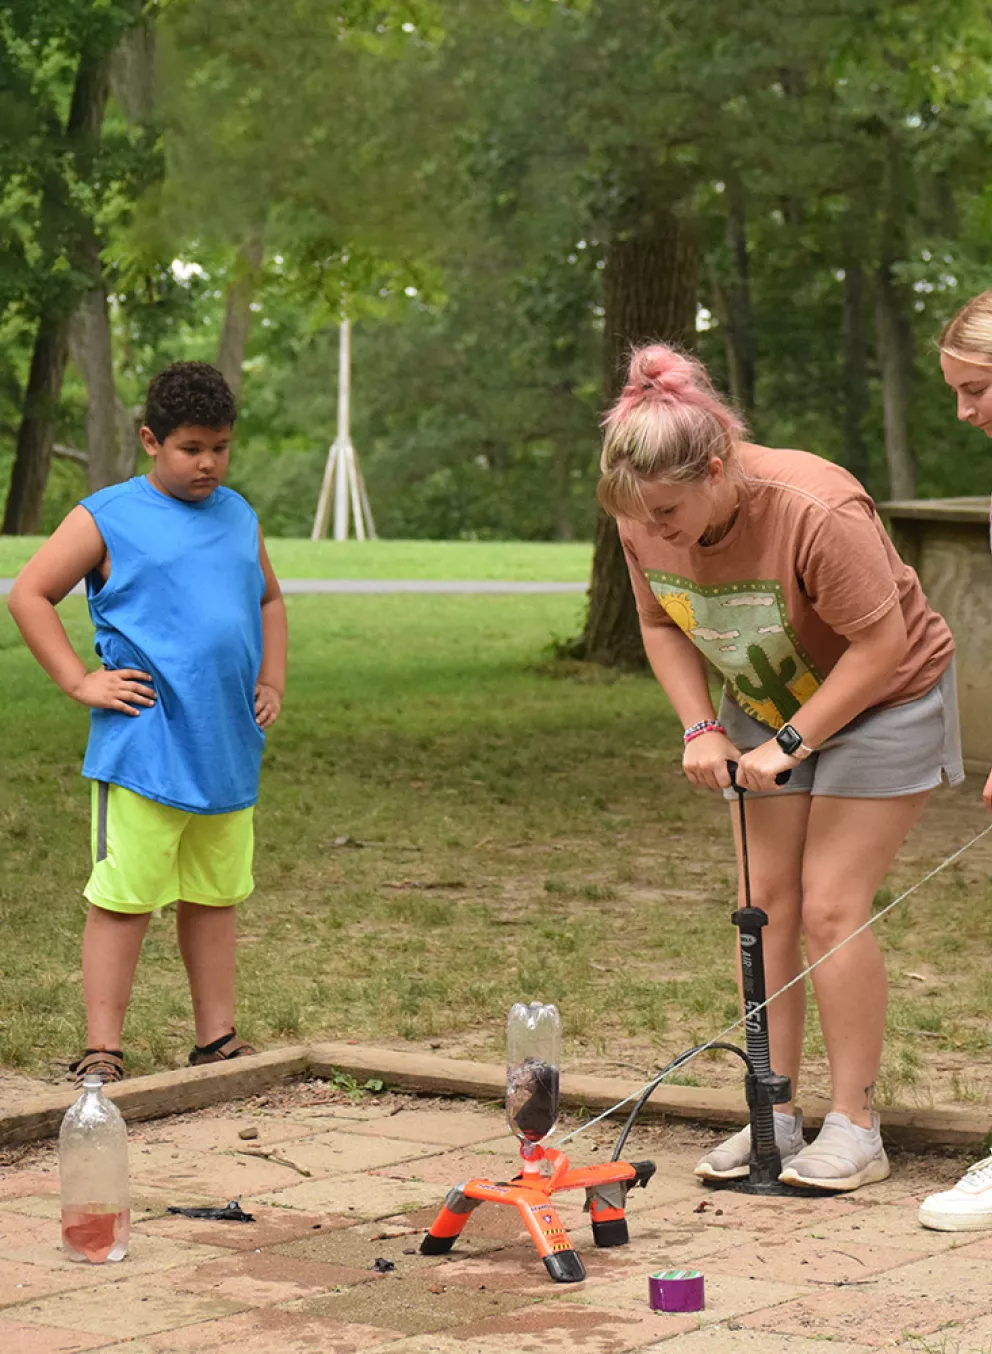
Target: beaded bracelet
(704, 726)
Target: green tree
(56, 54)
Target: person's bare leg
(111, 946)
(207, 939)
(850, 845)
(776, 832)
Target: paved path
(336, 1184)
(363, 585)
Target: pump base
(773, 1188)
(769, 1188)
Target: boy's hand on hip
(115, 689)
(268, 703)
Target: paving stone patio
(335, 1185)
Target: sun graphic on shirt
(679, 607)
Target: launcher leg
(449, 1223)
(561, 1259)
(609, 1219)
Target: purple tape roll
(676, 1290)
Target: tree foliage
(458, 179)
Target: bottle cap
(91, 1082)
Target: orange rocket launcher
(532, 1095)
(531, 1194)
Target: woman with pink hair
(773, 569)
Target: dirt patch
(16, 1089)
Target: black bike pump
(764, 1088)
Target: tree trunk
(737, 302)
(895, 361)
(237, 313)
(33, 454)
(855, 376)
(133, 73)
(894, 334)
(650, 295)
(111, 444)
(564, 519)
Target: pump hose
(652, 1086)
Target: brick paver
(783, 1276)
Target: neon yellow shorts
(147, 855)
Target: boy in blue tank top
(191, 637)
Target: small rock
(383, 1266)
(246, 1134)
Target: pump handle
(782, 778)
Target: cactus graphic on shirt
(743, 629)
(772, 683)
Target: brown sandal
(221, 1050)
(105, 1063)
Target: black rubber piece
(565, 1267)
(231, 1212)
(615, 1232)
(437, 1245)
(644, 1170)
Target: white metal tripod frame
(343, 484)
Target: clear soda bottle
(533, 1058)
(96, 1199)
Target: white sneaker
(844, 1156)
(731, 1160)
(965, 1208)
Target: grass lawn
(523, 561)
(444, 830)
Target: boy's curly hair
(188, 394)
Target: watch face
(788, 740)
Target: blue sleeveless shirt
(183, 602)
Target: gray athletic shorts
(882, 754)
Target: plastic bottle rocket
(533, 1058)
(96, 1199)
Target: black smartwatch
(790, 740)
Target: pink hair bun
(662, 370)
(667, 379)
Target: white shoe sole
(876, 1170)
(955, 1222)
(704, 1172)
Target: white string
(800, 977)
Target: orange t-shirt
(772, 605)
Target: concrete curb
(195, 1088)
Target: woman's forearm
(856, 680)
(681, 670)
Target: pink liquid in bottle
(91, 1233)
